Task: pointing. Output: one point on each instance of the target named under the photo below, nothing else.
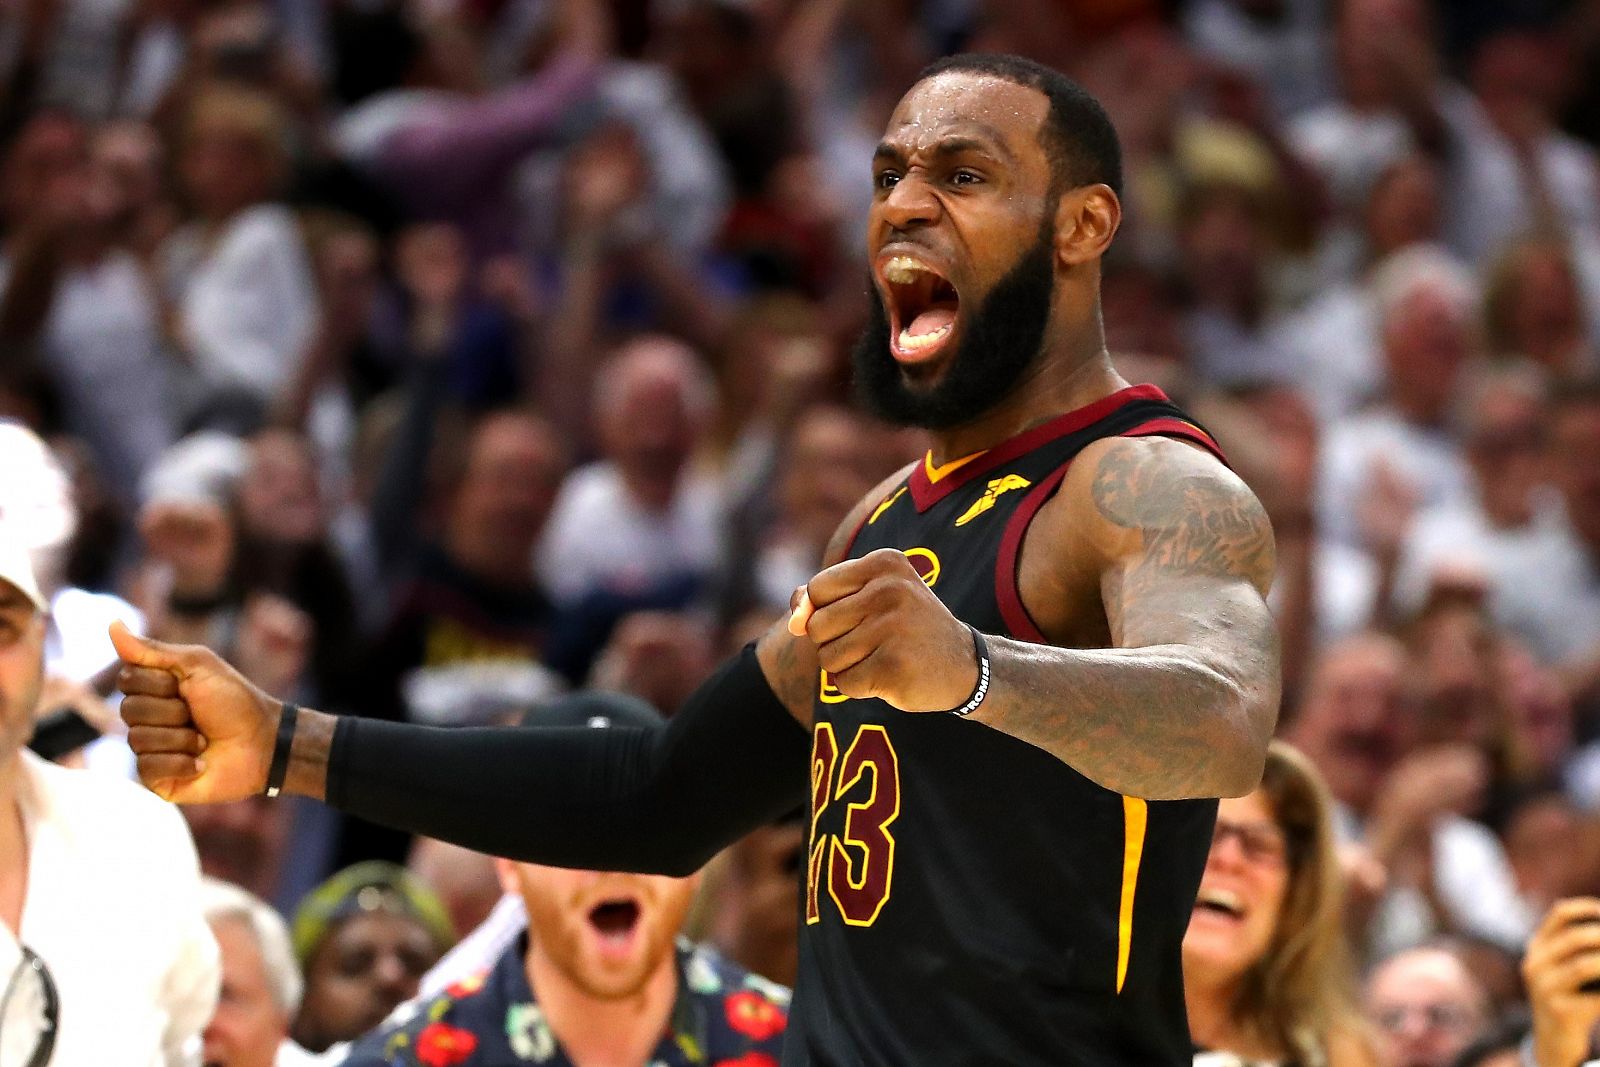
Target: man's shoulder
(94, 804)
(472, 1014)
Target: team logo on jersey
(991, 494)
(886, 505)
(926, 563)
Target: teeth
(1223, 899)
(902, 270)
(912, 342)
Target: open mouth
(1219, 902)
(616, 921)
(922, 306)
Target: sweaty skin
(1147, 570)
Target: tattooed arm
(1183, 703)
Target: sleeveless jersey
(969, 898)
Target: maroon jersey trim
(1007, 593)
(925, 492)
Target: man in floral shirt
(600, 976)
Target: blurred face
(278, 495)
(1404, 206)
(248, 1026)
(1546, 309)
(1453, 659)
(47, 165)
(650, 433)
(359, 974)
(21, 667)
(241, 842)
(1575, 444)
(1241, 893)
(961, 241)
(1224, 245)
(1426, 342)
(225, 169)
(828, 469)
(1540, 709)
(766, 866)
(606, 934)
(1505, 445)
(1353, 722)
(509, 486)
(1425, 1007)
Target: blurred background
(427, 358)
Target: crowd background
(427, 358)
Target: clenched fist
(881, 632)
(201, 732)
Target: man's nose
(910, 204)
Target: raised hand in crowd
(1562, 958)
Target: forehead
(979, 106)
(13, 601)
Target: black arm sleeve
(653, 800)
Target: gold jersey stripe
(1134, 814)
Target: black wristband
(280, 751)
(980, 648)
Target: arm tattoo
(1183, 706)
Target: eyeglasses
(1396, 1018)
(30, 1011)
(1261, 843)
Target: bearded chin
(999, 344)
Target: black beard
(1000, 340)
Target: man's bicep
(1187, 556)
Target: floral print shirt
(723, 1017)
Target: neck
(1078, 374)
(1210, 1000)
(622, 1032)
(13, 847)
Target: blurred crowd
(430, 358)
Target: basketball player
(1030, 661)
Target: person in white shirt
(261, 983)
(639, 527)
(132, 984)
(1426, 305)
(1442, 872)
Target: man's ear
(1086, 220)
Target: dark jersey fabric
(971, 899)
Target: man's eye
(965, 177)
(886, 179)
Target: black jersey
(969, 898)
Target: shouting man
(1032, 660)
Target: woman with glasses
(1265, 966)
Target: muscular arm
(1184, 702)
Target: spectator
(71, 287)
(746, 906)
(471, 594)
(1564, 957)
(639, 528)
(1534, 310)
(1265, 970)
(238, 276)
(364, 939)
(466, 881)
(152, 983)
(613, 981)
(1425, 305)
(1445, 873)
(261, 982)
(1553, 602)
(1427, 1008)
(1509, 514)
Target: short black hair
(1078, 137)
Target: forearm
(660, 800)
(1161, 723)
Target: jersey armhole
(1007, 592)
